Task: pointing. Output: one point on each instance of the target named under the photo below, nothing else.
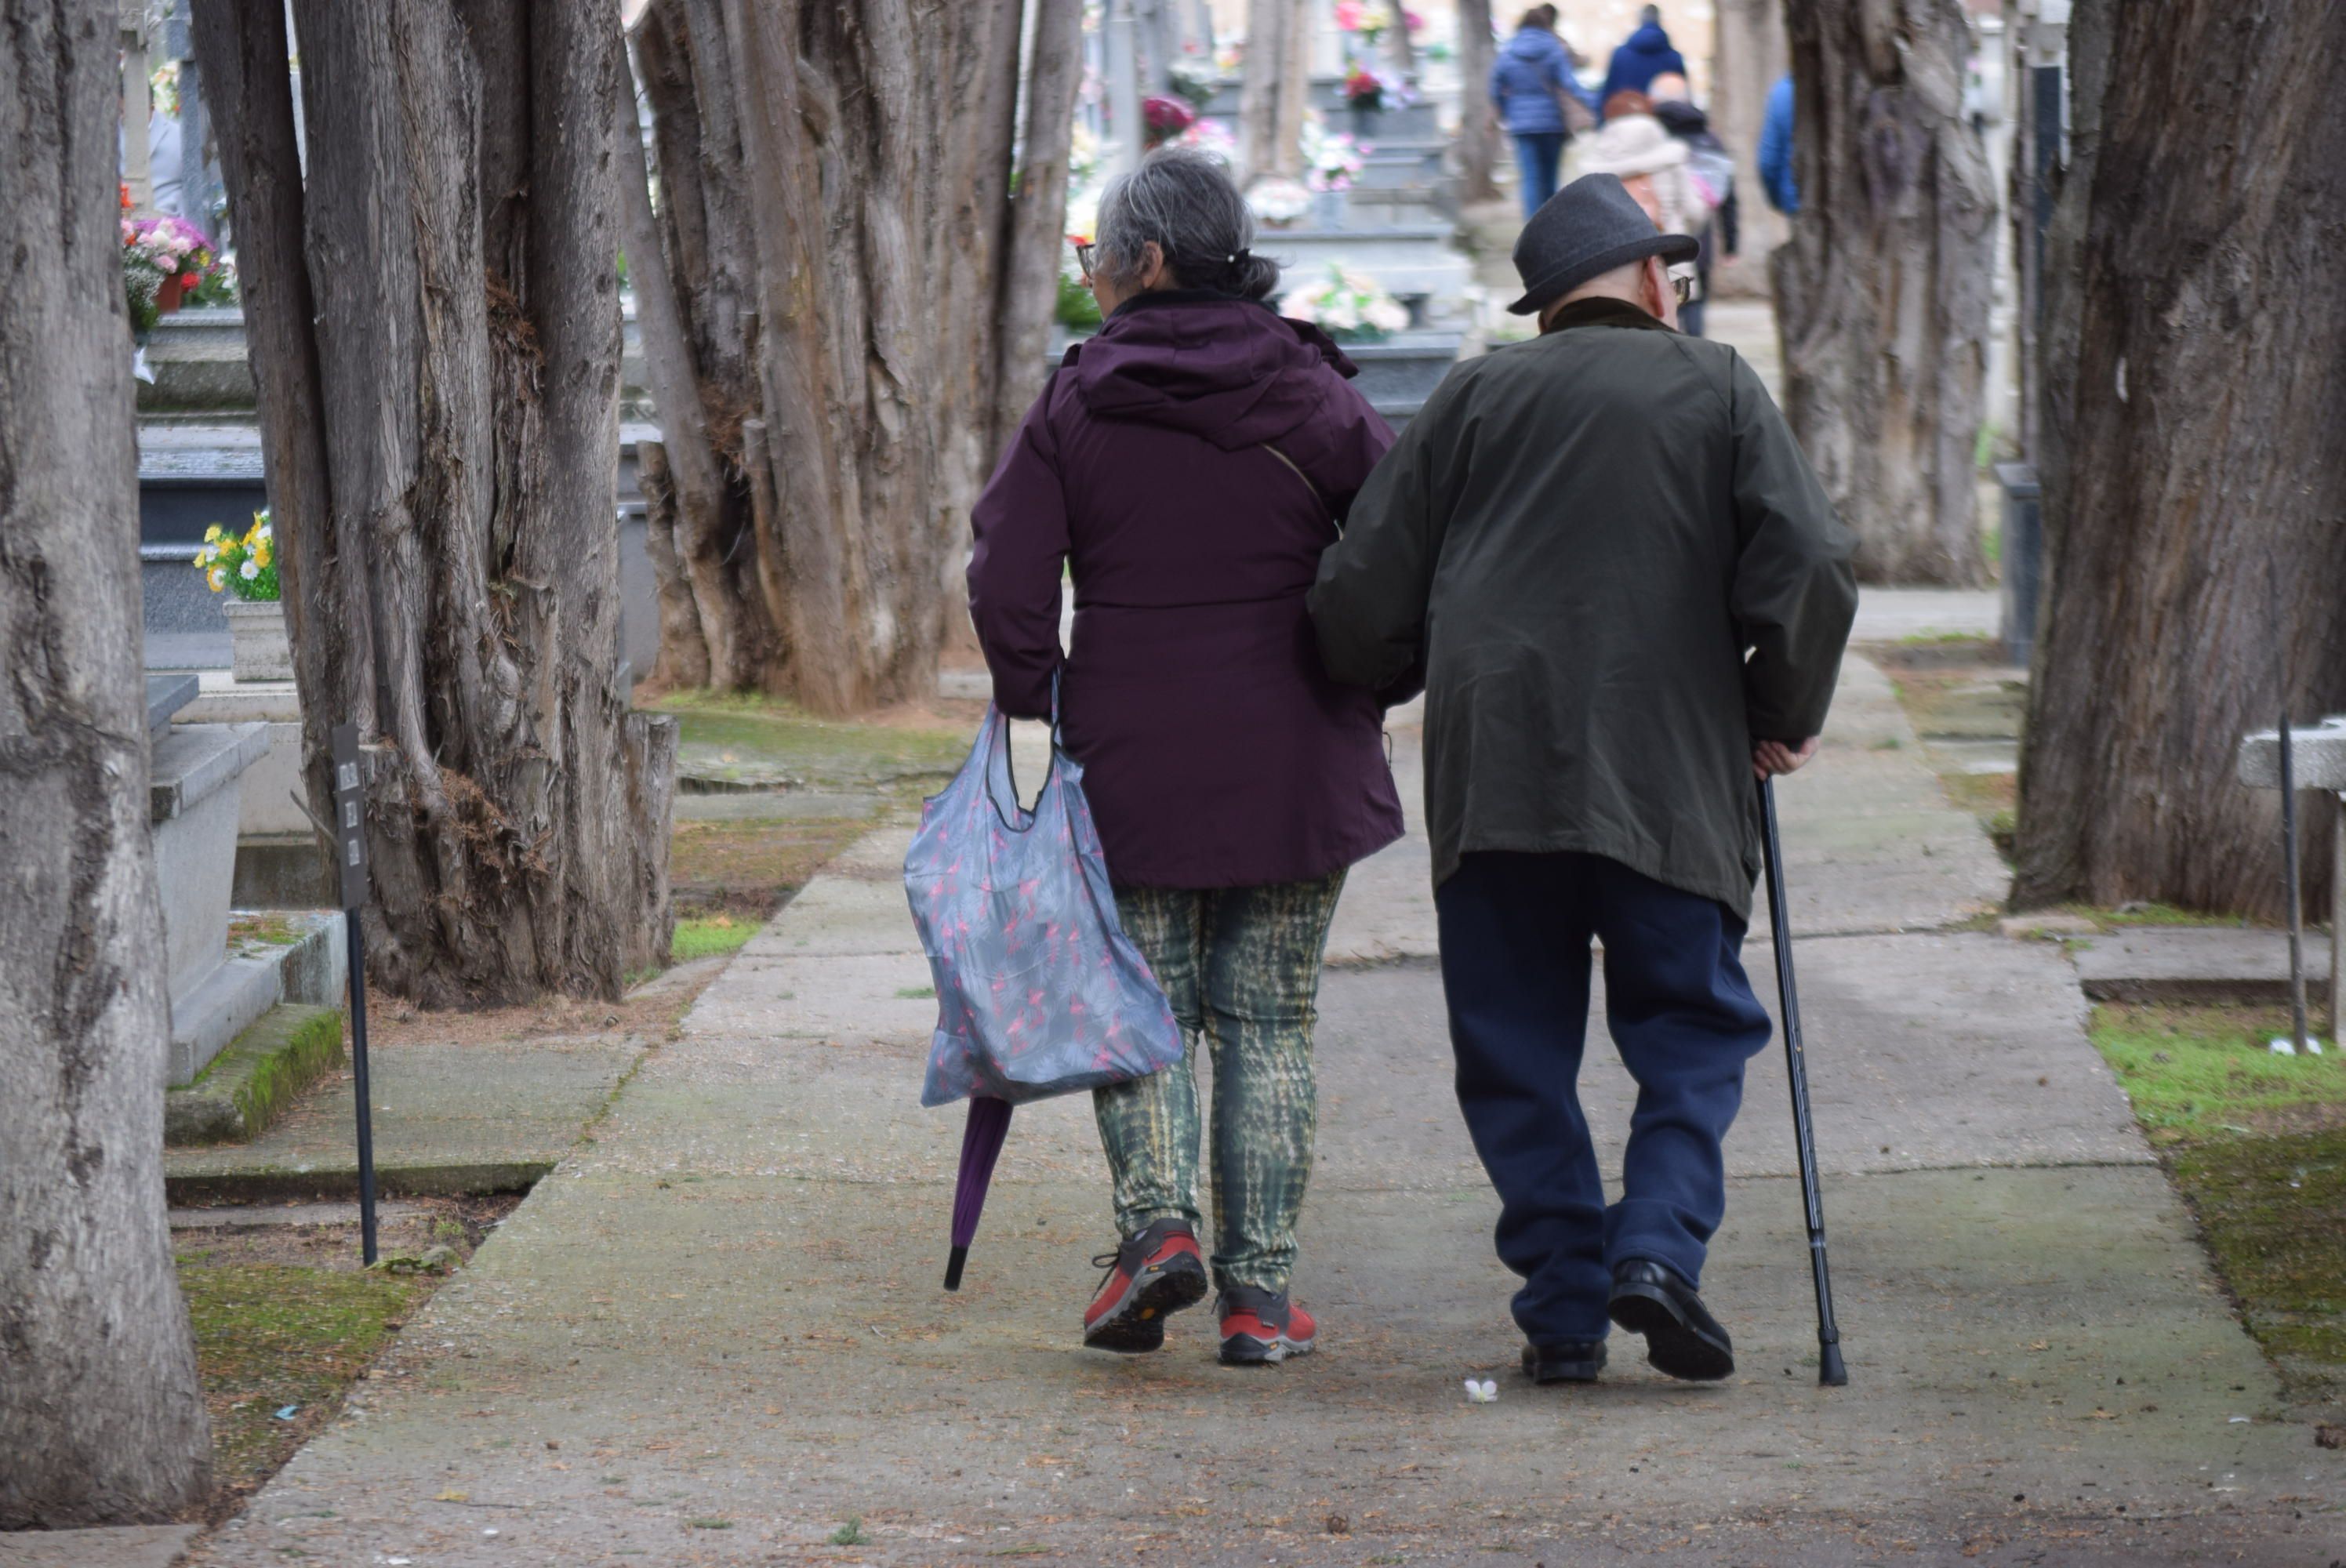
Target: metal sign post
(350, 855)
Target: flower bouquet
(1332, 160)
(1364, 90)
(244, 567)
(1348, 306)
(165, 261)
(1212, 138)
(1278, 201)
(1166, 119)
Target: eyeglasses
(1085, 251)
(1682, 283)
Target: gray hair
(1181, 200)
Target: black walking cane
(1829, 1370)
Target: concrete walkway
(715, 1334)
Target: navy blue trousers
(1515, 931)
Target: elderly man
(1607, 561)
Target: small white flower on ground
(2280, 1047)
(1486, 1392)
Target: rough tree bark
(101, 1419)
(1035, 223)
(1276, 87)
(2195, 500)
(1881, 294)
(1478, 122)
(1748, 57)
(435, 340)
(843, 343)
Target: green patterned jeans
(1241, 968)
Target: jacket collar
(1598, 311)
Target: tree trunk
(1747, 57)
(1037, 213)
(1276, 87)
(1881, 295)
(1478, 122)
(445, 486)
(2195, 487)
(101, 1419)
(838, 347)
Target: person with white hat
(1637, 148)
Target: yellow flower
(216, 577)
(261, 552)
(212, 534)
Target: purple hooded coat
(1215, 751)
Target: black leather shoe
(1565, 1362)
(1681, 1338)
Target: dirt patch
(286, 1319)
(748, 868)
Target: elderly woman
(1185, 469)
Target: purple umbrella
(981, 1143)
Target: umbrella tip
(953, 1260)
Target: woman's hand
(1774, 756)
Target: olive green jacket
(1605, 558)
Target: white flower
(1486, 1392)
(249, 570)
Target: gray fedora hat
(1585, 231)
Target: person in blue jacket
(1646, 53)
(1776, 150)
(1525, 79)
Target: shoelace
(1109, 1261)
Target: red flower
(189, 279)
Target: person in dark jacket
(1186, 467)
(1604, 554)
(1645, 53)
(1529, 83)
(1776, 150)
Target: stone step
(256, 1079)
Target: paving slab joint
(249, 1085)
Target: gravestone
(2317, 761)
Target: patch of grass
(707, 936)
(273, 929)
(742, 738)
(709, 1524)
(2197, 1073)
(2257, 1144)
(744, 868)
(917, 993)
(2271, 1208)
(849, 1534)
(1930, 638)
(272, 1335)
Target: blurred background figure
(1643, 55)
(1776, 150)
(1534, 90)
(1710, 169)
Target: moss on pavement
(2257, 1144)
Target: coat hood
(1231, 371)
(1648, 39)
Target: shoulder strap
(1333, 521)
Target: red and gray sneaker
(1159, 1272)
(1261, 1327)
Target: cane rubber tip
(1831, 1373)
(953, 1260)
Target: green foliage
(710, 936)
(1076, 308)
(242, 565)
(272, 1335)
(2205, 1072)
(2271, 1208)
(850, 1533)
